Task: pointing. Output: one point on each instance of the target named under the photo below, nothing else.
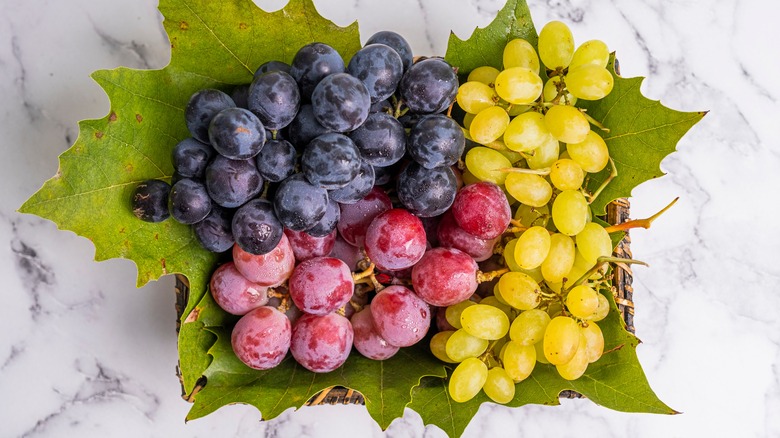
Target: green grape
(491, 300)
(591, 154)
(467, 379)
(566, 174)
(602, 311)
(589, 82)
(453, 312)
(530, 216)
(474, 96)
(485, 322)
(511, 155)
(516, 110)
(468, 177)
(499, 386)
(560, 259)
(593, 242)
(556, 45)
(567, 123)
(561, 340)
(497, 294)
(590, 52)
(545, 155)
(462, 345)
(539, 347)
(550, 92)
(519, 85)
(438, 345)
(575, 368)
(520, 53)
(554, 308)
(509, 255)
(519, 290)
(582, 301)
(570, 212)
(529, 326)
(528, 188)
(485, 74)
(526, 132)
(484, 163)
(594, 341)
(519, 360)
(467, 119)
(489, 124)
(532, 247)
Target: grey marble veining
(83, 353)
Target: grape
(529, 326)
(345, 252)
(561, 340)
(234, 293)
(519, 290)
(526, 132)
(452, 236)
(485, 322)
(231, 183)
(400, 316)
(485, 74)
(445, 276)
(305, 127)
(190, 158)
(545, 155)
(528, 189)
(519, 360)
(257, 229)
(215, 231)
(594, 341)
(550, 92)
(341, 102)
(321, 285)
(438, 345)
(582, 301)
(274, 98)
(150, 201)
(486, 164)
(270, 66)
(330, 161)
(236, 133)
(355, 218)
(489, 125)
(467, 379)
(529, 216)
(367, 340)
(580, 267)
(570, 212)
(426, 192)
(593, 242)
(240, 95)
(499, 386)
(379, 67)
(556, 45)
(482, 210)
(306, 246)
(566, 174)
(261, 338)
(474, 96)
(298, 204)
(567, 123)
(395, 240)
(383, 106)
(381, 139)
(463, 345)
(589, 82)
(532, 247)
(560, 259)
(321, 343)
(396, 42)
(575, 368)
(436, 141)
(356, 189)
(453, 312)
(329, 221)
(276, 161)
(201, 108)
(590, 52)
(520, 53)
(519, 85)
(602, 311)
(429, 86)
(491, 300)
(189, 201)
(312, 63)
(591, 154)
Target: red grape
(367, 340)
(482, 210)
(321, 343)
(395, 240)
(445, 276)
(321, 285)
(234, 293)
(269, 269)
(261, 338)
(305, 246)
(355, 218)
(400, 316)
(453, 236)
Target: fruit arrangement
(439, 215)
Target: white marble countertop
(85, 354)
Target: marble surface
(75, 361)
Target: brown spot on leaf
(156, 236)
(112, 117)
(242, 26)
(193, 316)
(139, 118)
(184, 25)
(122, 230)
(164, 269)
(99, 135)
(129, 167)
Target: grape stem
(366, 273)
(601, 261)
(496, 145)
(594, 121)
(640, 223)
(612, 175)
(483, 277)
(545, 171)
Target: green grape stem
(612, 175)
(543, 172)
(593, 121)
(483, 277)
(601, 261)
(640, 223)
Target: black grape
(436, 141)
(381, 139)
(397, 42)
(330, 161)
(256, 227)
(272, 66)
(305, 127)
(215, 231)
(240, 95)
(274, 98)
(150, 201)
(429, 86)
(276, 161)
(189, 201)
(236, 133)
(328, 222)
(231, 183)
(341, 102)
(358, 188)
(298, 204)
(427, 192)
(202, 107)
(312, 63)
(380, 69)
(190, 158)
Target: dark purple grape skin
(358, 188)
(436, 141)
(256, 228)
(380, 69)
(276, 161)
(274, 98)
(328, 222)
(237, 133)
(150, 201)
(190, 158)
(298, 204)
(384, 175)
(341, 102)
(201, 108)
(305, 127)
(429, 86)
(427, 192)
(272, 66)
(215, 231)
(330, 161)
(240, 96)
(383, 106)
(381, 139)
(231, 183)
(312, 63)
(189, 201)
(397, 43)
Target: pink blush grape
(270, 269)
(367, 341)
(306, 246)
(234, 293)
(445, 276)
(400, 316)
(482, 210)
(321, 343)
(321, 285)
(395, 240)
(261, 338)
